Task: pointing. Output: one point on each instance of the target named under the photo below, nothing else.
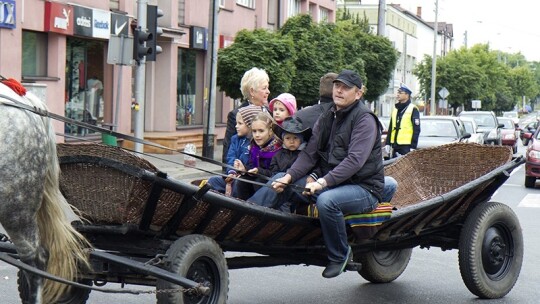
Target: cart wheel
(530, 181)
(198, 258)
(384, 266)
(490, 250)
(73, 296)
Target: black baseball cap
(350, 78)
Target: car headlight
(492, 134)
(534, 154)
(510, 136)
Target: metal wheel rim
(203, 271)
(497, 251)
(386, 258)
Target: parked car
(512, 115)
(509, 133)
(440, 130)
(488, 124)
(532, 156)
(530, 128)
(472, 128)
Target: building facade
(67, 52)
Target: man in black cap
(346, 148)
(404, 127)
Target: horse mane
(66, 246)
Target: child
(282, 107)
(264, 145)
(294, 137)
(238, 147)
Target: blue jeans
(332, 204)
(267, 197)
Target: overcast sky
(509, 26)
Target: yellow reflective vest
(405, 128)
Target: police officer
(404, 125)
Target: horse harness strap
(42, 112)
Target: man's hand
(279, 184)
(313, 187)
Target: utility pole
(381, 19)
(140, 80)
(209, 130)
(434, 62)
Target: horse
(32, 208)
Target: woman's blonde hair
(252, 79)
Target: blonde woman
(255, 89)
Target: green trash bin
(108, 139)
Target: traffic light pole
(209, 130)
(140, 73)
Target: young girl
(238, 148)
(263, 146)
(282, 107)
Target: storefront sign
(58, 18)
(7, 13)
(101, 25)
(197, 38)
(119, 25)
(225, 41)
(83, 21)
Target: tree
(257, 48)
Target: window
(185, 88)
(294, 8)
(323, 15)
(247, 3)
(34, 54)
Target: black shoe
(333, 269)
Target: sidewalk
(173, 165)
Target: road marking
(530, 201)
(512, 185)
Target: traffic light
(152, 15)
(141, 46)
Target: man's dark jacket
(309, 115)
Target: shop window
(34, 54)
(186, 87)
(84, 84)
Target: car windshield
(469, 127)
(508, 123)
(510, 114)
(482, 120)
(437, 128)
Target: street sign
(476, 104)
(444, 93)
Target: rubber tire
(530, 181)
(74, 296)
(514, 149)
(384, 266)
(490, 250)
(198, 258)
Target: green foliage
(318, 48)
(258, 48)
(479, 73)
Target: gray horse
(32, 209)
